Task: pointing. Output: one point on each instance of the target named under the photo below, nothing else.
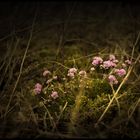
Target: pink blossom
(72, 70)
(112, 79)
(46, 72)
(38, 88)
(108, 64)
(97, 60)
(54, 95)
(120, 72)
(128, 62)
(83, 73)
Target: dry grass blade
(50, 117)
(59, 117)
(116, 99)
(21, 67)
(134, 108)
(114, 96)
(135, 46)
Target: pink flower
(120, 72)
(108, 64)
(128, 62)
(83, 73)
(97, 60)
(72, 70)
(54, 95)
(112, 79)
(46, 73)
(38, 88)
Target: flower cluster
(108, 64)
(111, 63)
(120, 72)
(38, 88)
(54, 95)
(97, 60)
(112, 79)
(72, 72)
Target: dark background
(95, 21)
(15, 15)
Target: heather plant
(77, 96)
(77, 89)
